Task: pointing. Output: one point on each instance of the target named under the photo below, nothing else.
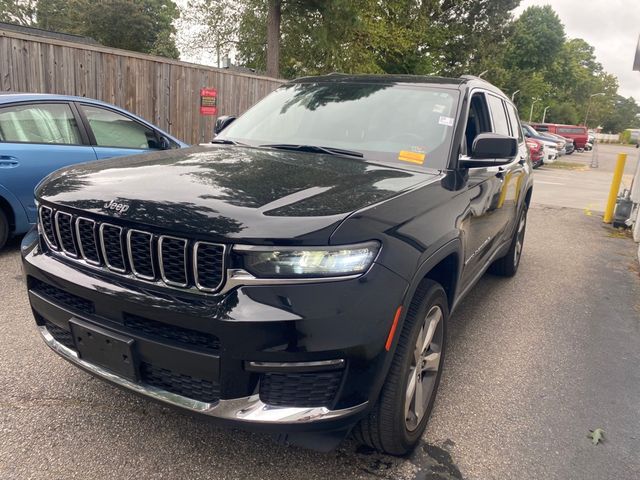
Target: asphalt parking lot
(533, 364)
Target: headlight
(294, 262)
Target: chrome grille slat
(46, 222)
(64, 230)
(140, 250)
(208, 262)
(112, 247)
(140, 255)
(172, 255)
(86, 238)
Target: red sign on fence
(208, 101)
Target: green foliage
(139, 25)
(17, 11)
(626, 114)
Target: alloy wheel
(425, 365)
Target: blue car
(40, 133)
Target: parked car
(591, 141)
(297, 275)
(568, 146)
(576, 132)
(536, 152)
(41, 133)
(550, 144)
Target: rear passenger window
(499, 116)
(52, 123)
(516, 129)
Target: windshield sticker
(412, 157)
(448, 121)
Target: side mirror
(222, 123)
(164, 143)
(489, 150)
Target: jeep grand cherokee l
(297, 275)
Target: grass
(567, 165)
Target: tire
(507, 266)
(393, 427)
(4, 229)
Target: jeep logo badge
(119, 208)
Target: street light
(535, 100)
(514, 94)
(544, 115)
(589, 106)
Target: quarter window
(39, 123)
(500, 123)
(114, 130)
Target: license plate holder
(106, 349)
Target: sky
(611, 26)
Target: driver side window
(477, 122)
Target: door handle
(8, 162)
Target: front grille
(172, 334)
(173, 260)
(64, 226)
(48, 230)
(60, 335)
(111, 243)
(208, 265)
(86, 237)
(300, 389)
(196, 388)
(60, 297)
(177, 262)
(141, 254)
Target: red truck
(576, 132)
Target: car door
(484, 228)
(114, 134)
(37, 138)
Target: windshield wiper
(226, 141)
(314, 149)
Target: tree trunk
(273, 38)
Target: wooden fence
(162, 91)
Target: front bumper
(293, 327)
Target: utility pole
(586, 117)
(535, 100)
(544, 115)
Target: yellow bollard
(615, 187)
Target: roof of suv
(464, 80)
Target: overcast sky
(611, 26)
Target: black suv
(297, 275)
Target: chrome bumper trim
(245, 409)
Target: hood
(229, 191)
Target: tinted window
(542, 128)
(573, 130)
(516, 129)
(114, 130)
(384, 122)
(500, 123)
(44, 123)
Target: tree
(274, 14)
(17, 11)
(210, 27)
(141, 25)
(538, 36)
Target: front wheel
(507, 266)
(4, 228)
(400, 417)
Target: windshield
(403, 124)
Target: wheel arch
(6, 207)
